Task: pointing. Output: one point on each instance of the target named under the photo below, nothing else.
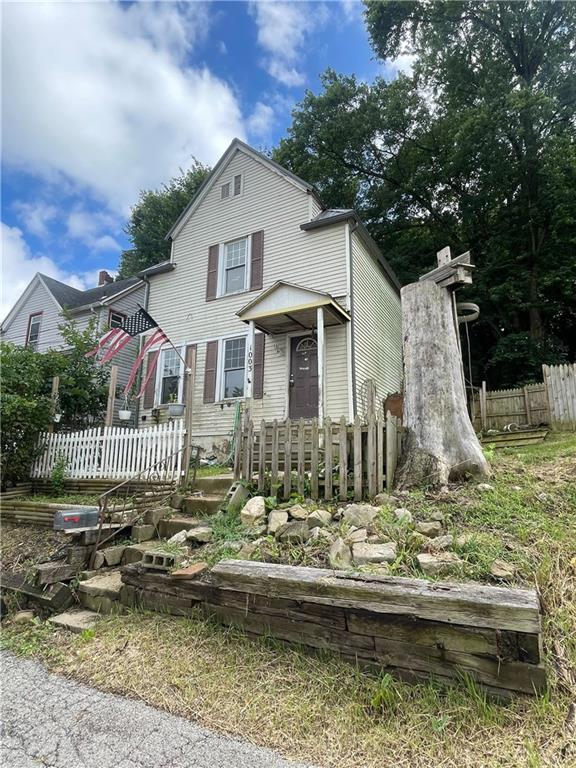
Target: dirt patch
(23, 546)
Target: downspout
(351, 227)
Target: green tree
(26, 409)
(83, 389)
(475, 150)
(153, 216)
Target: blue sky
(103, 99)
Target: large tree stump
(440, 443)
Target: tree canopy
(153, 216)
(473, 149)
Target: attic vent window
(232, 188)
(225, 191)
(237, 185)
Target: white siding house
(34, 319)
(289, 308)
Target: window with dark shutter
(257, 264)
(210, 372)
(258, 375)
(150, 386)
(212, 279)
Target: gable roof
(237, 146)
(67, 297)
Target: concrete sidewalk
(48, 720)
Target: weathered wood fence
(112, 452)
(323, 460)
(523, 406)
(552, 402)
(561, 383)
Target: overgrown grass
(323, 710)
(81, 499)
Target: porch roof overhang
(287, 308)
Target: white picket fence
(113, 452)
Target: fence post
(343, 460)
(274, 467)
(111, 396)
(262, 456)
(527, 406)
(357, 459)
(380, 457)
(54, 398)
(301, 453)
(483, 419)
(391, 450)
(328, 458)
(314, 459)
(287, 458)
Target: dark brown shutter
(258, 383)
(210, 372)
(151, 386)
(212, 281)
(190, 357)
(257, 265)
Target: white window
(237, 185)
(170, 377)
(225, 191)
(34, 322)
(231, 188)
(234, 266)
(116, 319)
(233, 368)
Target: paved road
(50, 721)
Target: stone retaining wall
(411, 627)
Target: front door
(303, 398)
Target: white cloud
(260, 122)
(282, 31)
(36, 216)
(98, 94)
(89, 227)
(19, 265)
(352, 10)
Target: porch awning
(285, 307)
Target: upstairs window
(116, 319)
(233, 368)
(170, 375)
(225, 191)
(34, 322)
(237, 185)
(231, 188)
(234, 266)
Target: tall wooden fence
(523, 406)
(561, 383)
(552, 401)
(321, 460)
(112, 452)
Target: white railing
(112, 452)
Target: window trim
(220, 380)
(31, 317)
(222, 270)
(159, 377)
(115, 312)
(230, 183)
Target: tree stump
(440, 443)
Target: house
(34, 319)
(282, 305)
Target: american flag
(117, 338)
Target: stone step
(101, 593)
(75, 621)
(214, 484)
(167, 528)
(207, 504)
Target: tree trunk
(440, 442)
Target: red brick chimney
(104, 278)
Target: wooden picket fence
(561, 383)
(552, 402)
(332, 459)
(112, 452)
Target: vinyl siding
(39, 300)
(313, 260)
(377, 326)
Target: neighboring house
(290, 307)
(34, 319)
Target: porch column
(320, 335)
(250, 362)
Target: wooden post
(262, 456)
(190, 373)
(287, 458)
(274, 468)
(250, 361)
(357, 459)
(343, 459)
(321, 359)
(483, 415)
(527, 405)
(111, 395)
(391, 451)
(54, 397)
(328, 458)
(314, 460)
